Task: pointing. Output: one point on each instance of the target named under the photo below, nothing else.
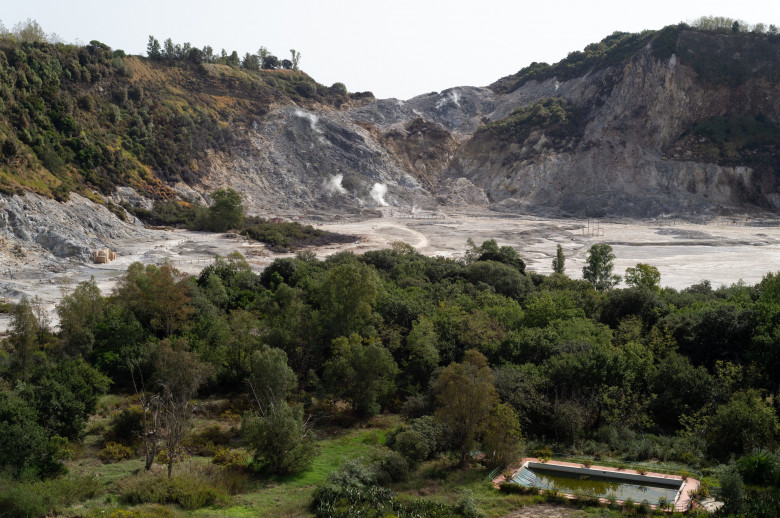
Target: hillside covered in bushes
(90, 118)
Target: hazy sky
(398, 48)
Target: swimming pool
(599, 482)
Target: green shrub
(759, 467)
(732, 489)
(127, 426)
(390, 466)
(230, 459)
(763, 505)
(20, 500)
(115, 452)
(467, 507)
(25, 447)
(45, 497)
(189, 490)
(206, 442)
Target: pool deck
(682, 503)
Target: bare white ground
(724, 252)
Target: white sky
(397, 48)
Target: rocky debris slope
(300, 159)
(31, 224)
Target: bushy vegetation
(83, 118)
(471, 362)
(621, 46)
(732, 141)
(608, 52)
(558, 119)
(193, 489)
(227, 213)
(289, 235)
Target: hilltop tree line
(726, 25)
(263, 59)
(85, 118)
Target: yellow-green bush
(192, 489)
(230, 459)
(115, 452)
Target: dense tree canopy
(476, 355)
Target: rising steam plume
(333, 185)
(378, 192)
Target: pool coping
(682, 502)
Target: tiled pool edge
(681, 503)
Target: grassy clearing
(126, 489)
(290, 496)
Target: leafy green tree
(233, 60)
(244, 341)
(680, 389)
(208, 54)
(159, 297)
(179, 373)
(25, 445)
(119, 339)
(504, 279)
(420, 439)
(250, 62)
(263, 53)
(271, 62)
(422, 353)
(765, 347)
(79, 313)
(598, 270)
(295, 57)
(30, 31)
(502, 437)
(227, 211)
(169, 49)
(360, 371)
(744, 423)
(644, 276)
(196, 56)
(281, 439)
(294, 327)
(559, 261)
(24, 336)
(63, 395)
(732, 490)
(347, 297)
(339, 89)
(465, 396)
(490, 251)
(271, 379)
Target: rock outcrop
(620, 161)
(674, 122)
(634, 144)
(70, 230)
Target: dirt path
(546, 511)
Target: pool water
(596, 485)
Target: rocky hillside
(675, 121)
(678, 121)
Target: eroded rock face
(65, 230)
(631, 153)
(621, 165)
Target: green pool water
(596, 485)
